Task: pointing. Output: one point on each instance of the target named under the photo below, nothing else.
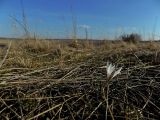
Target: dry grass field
(63, 80)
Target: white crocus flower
(111, 73)
(111, 70)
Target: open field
(62, 80)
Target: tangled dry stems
(68, 84)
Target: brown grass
(43, 79)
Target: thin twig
(44, 112)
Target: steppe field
(79, 80)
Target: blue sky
(103, 18)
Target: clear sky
(102, 18)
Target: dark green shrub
(131, 38)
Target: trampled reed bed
(55, 81)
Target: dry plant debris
(68, 84)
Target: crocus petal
(109, 70)
(117, 72)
